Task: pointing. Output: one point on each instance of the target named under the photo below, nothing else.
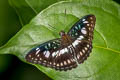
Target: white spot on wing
(83, 50)
(80, 37)
(66, 50)
(47, 54)
(39, 62)
(54, 42)
(81, 53)
(40, 58)
(76, 42)
(45, 61)
(54, 63)
(89, 28)
(85, 22)
(88, 45)
(88, 24)
(91, 21)
(29, 55)
(91, 25)
(68, 61)
(37, 48)
(44, 52)
(61, 64)
(58, 65)
(49, 44)
(91, 18)
(83, 30)
(63, 50)
(38, 55)
(65, 63)
(78, 56)
(55, 53)
(37, 51)
(70, 48)
(50, 63)
(86, 48)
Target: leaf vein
(31, 7)
(102, 38)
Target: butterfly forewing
(42, 54)
(84, 27)
(82, 35)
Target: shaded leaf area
(27, 9)
(23, 10)
(5, 62)
(9, 23)
(103, 63)
(19, 70)
(118, 1)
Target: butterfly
(67, 52)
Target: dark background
(14, 69)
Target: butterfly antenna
(52, 28)
(65, 18)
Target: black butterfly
(68, 51)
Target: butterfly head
(62, 33)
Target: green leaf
(27, 9)
(103, 63)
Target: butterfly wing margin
(52, 54)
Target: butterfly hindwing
(82, 35)
(64, 60)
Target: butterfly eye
(62, 33)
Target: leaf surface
(27, 9)
(103, 63)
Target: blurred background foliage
(11, 66)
